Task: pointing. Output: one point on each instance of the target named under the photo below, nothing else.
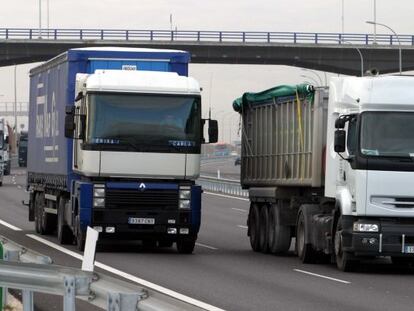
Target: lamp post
(359, 52)
(311, 79)
(40, 19)
(398, 39)
(316, 74)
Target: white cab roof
(372, 93)
(141, 82)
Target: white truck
(336, 172)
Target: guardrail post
(151, 35)
(244, 37)
(80, 34)
(30, 34)
(55, 34)
(366, 39)
(198, 36)
(127, 35)
(294, 37)
(268, 37)
(27, 300)
(340, 38)
(102, 34)
(316, 38)
(221, 36)
(412, 40)
(390, 39)
(172, 35)
(70, 292)
(7, 33)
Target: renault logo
(142, 186)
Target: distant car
(237, 161)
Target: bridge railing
(203, 36)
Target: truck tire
(264, 229)
(403, 262)
(165, 243)
(344, 260)
(64, 234)
(305, 251)
(279, 235)
(253, 227)
(186, 245)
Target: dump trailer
(114, 144)
(333, 168)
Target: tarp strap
(300, 126)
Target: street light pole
(311, 79)
(316, 74)
(398, 39)
(375, 21)
(40, 19)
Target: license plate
(409, 249)
(141, 221)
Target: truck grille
(141, 200)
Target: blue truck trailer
(114, 143)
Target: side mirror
(70, 121)
(6, 141)
(212, 131)
(339, 144)
(340, 122)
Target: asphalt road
(223, 271)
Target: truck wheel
(304, 250)
(264, 229)
(344, 260)
(279, 235)
(48, 221)
(253, 227)
(149, 244)
(80, 236)
(64, 233)
(186, 245)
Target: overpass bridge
(333, 52)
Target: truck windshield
(387, 134)
(144, 123)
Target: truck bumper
(395, 237)
(167, 224)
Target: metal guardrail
(203, 36)
(7, 109)
(32, 272)
(226, 186)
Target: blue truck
(114, 143)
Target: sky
(221, 83)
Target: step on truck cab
(114, 143)
(333, 168)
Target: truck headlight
(99, 191)
(185, 204)
(98, 202)
(185, 194)
(361, 227)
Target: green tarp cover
(304, 90)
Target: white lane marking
(19, 187)
(241, 226)
(207, 246)
(322, 276)
(226, 196)
(239, 210)
(10, 226)
(130, 277)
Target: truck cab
(370, 164)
